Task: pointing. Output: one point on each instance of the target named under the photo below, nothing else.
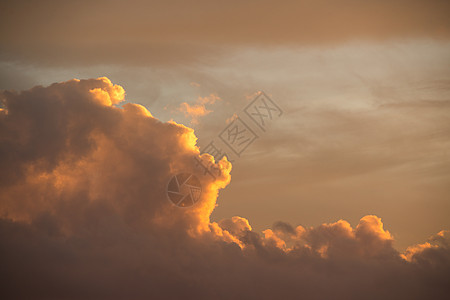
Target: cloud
(190, 33)
(66, 148)
(84, 214)
(198, 109)
(426, 253)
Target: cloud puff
(198, 109)
(84, 214)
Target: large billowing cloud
(84, 214)
(66, 149)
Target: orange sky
(355, 172)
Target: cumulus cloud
(66, 148)
(84, 214)
(426, 253)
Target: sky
(106, 104)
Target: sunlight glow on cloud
(83, 203)
(198, 109)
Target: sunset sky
(343, 194)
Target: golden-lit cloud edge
(77, 167)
